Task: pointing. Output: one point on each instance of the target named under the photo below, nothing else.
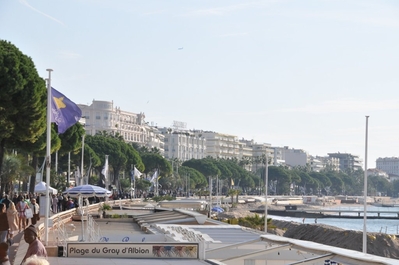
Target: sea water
(388, 226)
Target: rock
(379, 244)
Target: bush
(104, 207)
(163, 198)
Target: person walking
(35, 210)
(54, 204)
(35, 246)
(12, 217)
(60, 199)
(6, 201)
(3, 223)
(27, 201)
(15, 199)
(4, 259)
(21, 207)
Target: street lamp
(266, 180)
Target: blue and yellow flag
(64, 112)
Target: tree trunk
(2, 144)
(33, 176)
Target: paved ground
(14, 247)
(107, 226)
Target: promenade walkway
(223, 244)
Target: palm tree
(256, 222)
(232, 193)
(15, 168)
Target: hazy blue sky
(302, 74)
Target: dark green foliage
(163, 198)
(23, 99)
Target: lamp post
(266, 180)
(365, 192)
(48, 158)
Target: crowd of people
(21, 214)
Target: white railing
(62, 234)
(94, 233)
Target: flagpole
(266, 183)
(156, 182)
(82, 182)
(48, 158)
(365, 192)
(69, 171)
(210, 197)
(106, 176)
(134, 182)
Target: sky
(303, 74)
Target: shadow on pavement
(14, 247)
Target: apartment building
(293, 157)
(389, 165)
(220, 145)
(183, 145)
(347, 161)
(329, 163)
(102, 116)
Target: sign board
(135, 250)
(179, 125)
(38, 177)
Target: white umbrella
(87, 191)
(41, 187)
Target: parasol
(217, 209)
(87, 191)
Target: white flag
(154, 177)
(137, 173)
(105, 168)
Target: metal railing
(94, 232)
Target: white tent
(41, 188)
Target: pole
(266, 180)
(186, 186)
(83, 153)
(365, 192)
(69, 171)
(217, 190)
(82, 183)
(134, 184)
(131, 182)
(106, 177)
(48, 157)
(210, 196)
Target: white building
(319, 163)
(220, 145)
(315, 164)
(377, 172)
(183, 145)
(256, 153)
(388, 164)
(293, 157)
(104, 116)
(347, 161)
